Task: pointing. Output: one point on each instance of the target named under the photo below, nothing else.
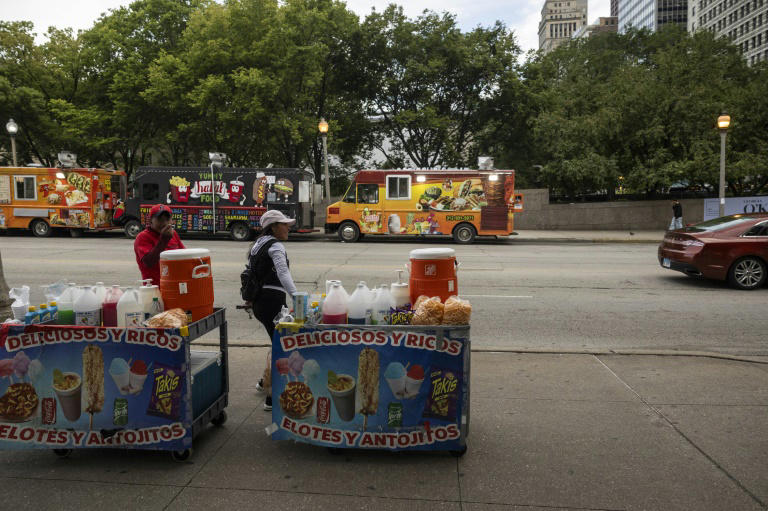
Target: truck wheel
(132, 228)
(349, 232)
(239, 231)
(464, 234)
(40, 228)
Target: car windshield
(717, 224)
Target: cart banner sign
(74, 387)
(370, 388)
(735, 206)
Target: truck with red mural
(459, 203)
(217, 200)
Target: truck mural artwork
(460, 203)
(231, 198)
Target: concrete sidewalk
(548, 431)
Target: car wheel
(747, 273)
(464, 234)
(239, 232)
(40, 228)
(132, 228)
(349, 232)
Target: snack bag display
(165, 400)
(429, 312)
(444, 394)
(457, 311)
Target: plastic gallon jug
(109, 307)
(433, 273)
(358, 305)
(382, 306)
(32, 317)
(400, 292)
(66, 303)
(87, 308)
(100, 291)
(186, 281)
(335, 306)
(129, 312)
(147, 294)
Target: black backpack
(250, 281)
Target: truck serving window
(150, 191)
(368, 194)
(398, 187)
(25, 187)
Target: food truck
(459, 203)
(43, 199)
(231, 199)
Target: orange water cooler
(186, 281)
(433, 273)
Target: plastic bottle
(45, 314)
(129, 312)
(358, 305)
(381, 307)
(335, 306)
(53, 311)
(109, 307)
(67, 305)
(32, 316)
(400, 292)
(87, 308)
(157, 308)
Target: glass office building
(652, 14)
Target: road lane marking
(496, 296)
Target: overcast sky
(520, 15)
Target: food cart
(372, 387)
(72, 387)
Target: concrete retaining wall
(539, 214)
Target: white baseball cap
(274, 216)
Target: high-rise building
(614, 8)
(651, 14)
(559, 21)
(603, 24)
(743, 22)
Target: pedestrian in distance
(677, 216)
(157, 237)
(270, 268)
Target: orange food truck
(460, 203)
(43, 199)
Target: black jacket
(677, 209)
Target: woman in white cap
(269, 263)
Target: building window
(398, 187)
(25, 188)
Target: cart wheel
(334, 450)
(220, 419)
(62, 453)
(181, 455)
(459, 453)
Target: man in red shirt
(157, 237)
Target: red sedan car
(732, 248)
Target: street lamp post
(723, 122)
(13, 128)
(322, 126)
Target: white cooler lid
(432, 253)
(184, 253)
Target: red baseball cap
(159, 209)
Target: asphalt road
(531, 295)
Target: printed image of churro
(93, 379)
(368, 383)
